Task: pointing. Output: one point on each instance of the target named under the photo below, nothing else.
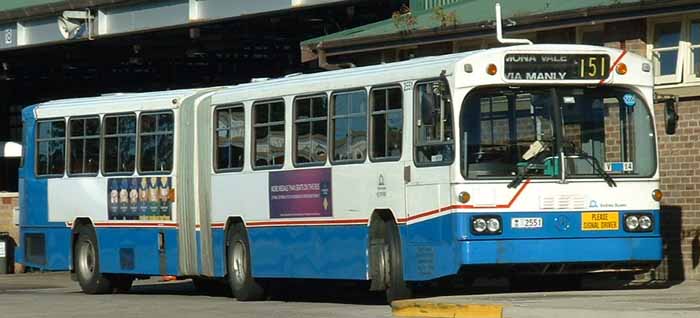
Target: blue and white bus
(529, 158)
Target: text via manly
(536, 76)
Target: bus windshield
(509, 131)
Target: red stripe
(612, 67)
(307, 222)
(463, 206)
(133, 224)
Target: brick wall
(7, 204)
(612, 133)
(680, 181)
(8, 201)
(679, 169)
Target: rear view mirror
(671, 116)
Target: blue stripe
(433, 248)
(57, 244)
(338, 252)
(562, 250)
(144, 242)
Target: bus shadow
(309, 291)
(357, 293)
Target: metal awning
(26, 23)
(476, 19)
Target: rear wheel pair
(87, 267)
(243, 286)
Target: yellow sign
(600, 221)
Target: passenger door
(427, 188)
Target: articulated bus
(515, 160)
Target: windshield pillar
(558, 134)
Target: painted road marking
(412, 308)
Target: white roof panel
(112, 103)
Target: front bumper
(562, 250)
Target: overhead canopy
(476, 18)
(25, 23)
(18, 9)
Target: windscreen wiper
(522, 175)
(595, 163)
(536, 148)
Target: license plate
(600, 221)
(526, 223)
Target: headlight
(645, 222)
(642, 222)
(493, 225)
(479, 225)
(486, 224)
(632, 222)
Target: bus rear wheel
(243, 285)
(87, 264)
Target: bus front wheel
(396, 288)
(243, 285)
(87, 264)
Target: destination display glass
(556, 67)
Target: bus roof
(414, 69)
(419, 68)
(117, 102)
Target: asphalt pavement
(55, 295)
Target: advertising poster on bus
(300, 193)
(144, 198)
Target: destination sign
(556, 67)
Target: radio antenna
(499, 30)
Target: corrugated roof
(473, 11)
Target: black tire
(243, 285)
(87, 264)
(121, 283)
(397, 287)
(209, 286)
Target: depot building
(132, 46)
(56, 49)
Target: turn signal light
(657, 195)
(491, 69)
(621, 69)
(464, 197)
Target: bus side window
(433, 124)
(84, 146)
(156, 137)
(387, 123)
(268, 134)
(349, 125)
(51, 148)
(119, 144)
(230, 137)
(311, 130)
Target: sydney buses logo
(381, 188)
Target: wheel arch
(377, 234)
(79, 223)
(231, 222)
